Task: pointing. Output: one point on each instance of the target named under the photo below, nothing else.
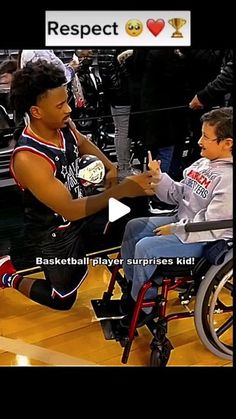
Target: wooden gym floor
(32, 334)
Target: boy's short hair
(222, 120)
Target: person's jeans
(121, 116)
(139, 243)
(165, 154)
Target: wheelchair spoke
(213, 309)
(225, 326)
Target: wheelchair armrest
(208, 225)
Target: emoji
(177, 23)
(155, 26)
(134, 27)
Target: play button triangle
(116, 209)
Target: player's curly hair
(32, 82)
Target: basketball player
(45, 166)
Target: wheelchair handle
(208, 225)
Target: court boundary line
(48, 356)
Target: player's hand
(72, 125)
(138, 185)
(111, 177)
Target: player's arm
(35, 174)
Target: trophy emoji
(177, 23)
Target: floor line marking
(35, 352)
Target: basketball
(91, 170)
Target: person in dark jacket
(162, 97)
(201, 65)
(86, 86)
(216, 89)
(90, 83)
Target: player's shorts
(63, 259)
(61, 253)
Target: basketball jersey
(64, 161)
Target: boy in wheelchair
(204, 194)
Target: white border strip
(47, 356)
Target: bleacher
(5, 54)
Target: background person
(115, 81)
(7, 68)
(219, 88)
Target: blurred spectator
(162, 94)
(115, 80)
(7, 69)
(214, 92)
(87, 87)
(27, 55)
(201, 65)
(90, 83)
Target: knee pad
(41, 293)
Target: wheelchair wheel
(213, 309)
(160, 353)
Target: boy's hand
(165, 230)
(154, 166)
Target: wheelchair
(209, 281)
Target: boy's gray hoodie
(205, 194)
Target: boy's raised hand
(155, 166)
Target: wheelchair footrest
(113, 330)
(107, 309)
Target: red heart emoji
(155, 26)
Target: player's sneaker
(6, 271)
